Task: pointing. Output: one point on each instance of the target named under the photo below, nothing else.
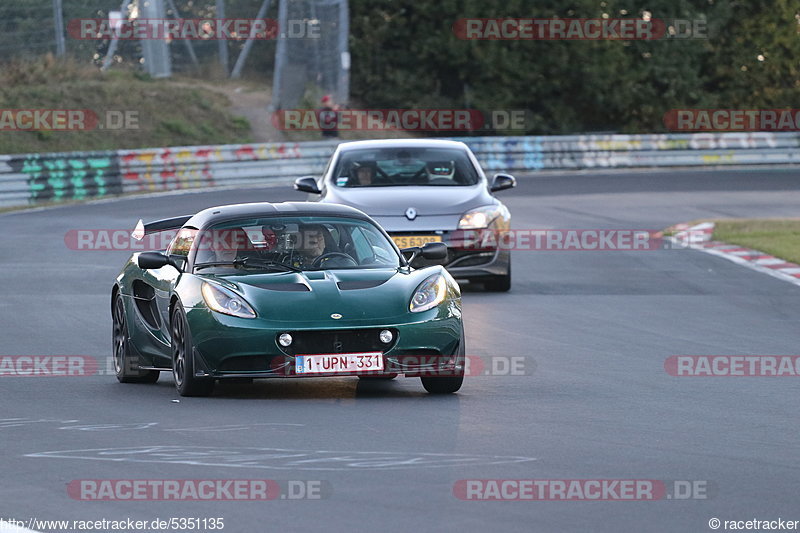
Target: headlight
(429, 294)
(226, 301)
(479, 218)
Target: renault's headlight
(479, 218)
(429, 294)
(226, 301)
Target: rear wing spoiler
(156, 226)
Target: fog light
(285, 340)
(386, 336)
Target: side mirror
(501, 182)
(434, 251)
(154, 261)
(306, 184)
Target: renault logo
(411, 213)
(336, 316)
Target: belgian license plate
(339, 363)
(408, 241)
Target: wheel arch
(115, 291)
(173, 301)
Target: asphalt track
(595, 402)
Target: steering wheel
(420, 176)
(330, 255)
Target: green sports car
(284, 290)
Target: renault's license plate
(339, 362)
(408, 241)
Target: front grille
(479, 257)
(338, 341)
(473, 259)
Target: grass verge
(158, 112)
(778, 237)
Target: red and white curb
(699, 237)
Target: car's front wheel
(500, 283)
(440, 385)
(126, 365)
(447, 384)
(183, 371)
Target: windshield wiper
(250, 262)
(236, 263)
(263, 263)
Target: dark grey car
(424, 191)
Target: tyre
(500, 283)
(126, 365)
(183, 361)
(439, 385)
(447, 384)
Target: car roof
(402, 143)
(213, 215)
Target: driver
(363, 173)
(310, 245)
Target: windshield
(405, 166)
(286, 244)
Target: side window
(374, 238)
(182, 242)
(379, 247)
(362, 247)
(335, 235)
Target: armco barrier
(30, 179)
(36, 178)
(655, 150)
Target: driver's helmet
(356, 168)
(313, 246)
(441, 169)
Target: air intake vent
(361, 284)
(284, 287)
